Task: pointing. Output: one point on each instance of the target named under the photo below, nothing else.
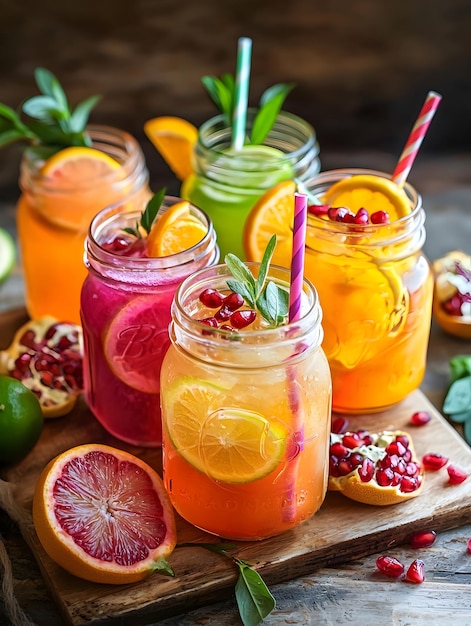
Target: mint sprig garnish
(254, 600)
(222, 93)
(148, 215)
(50, 124)
(267, 298)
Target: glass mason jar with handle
(245, 415)
(59, 199)
(125, 313)
(226, 183)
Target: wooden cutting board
(342, 530)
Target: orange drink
(60, 196)
(245, 410)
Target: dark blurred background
(362, 68)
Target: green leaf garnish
(457, 403)
(148, 215)
(267, 298)
(254, 600)
(50, 121)
(222, 93)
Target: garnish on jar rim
(222, 93)
(148, 215)
(51, 124)
(266, 298)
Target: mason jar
(375, 287)
(226, 184)
(125, 313)
(55, 210)
(246, 416)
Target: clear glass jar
(54, 213)
(125, 313)
(246, 417)
(375, 287)
(226, 184)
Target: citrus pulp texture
(103, 515)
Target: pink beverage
(125, 312)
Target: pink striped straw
(297, 258)
(416, 137)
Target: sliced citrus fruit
(136, 341)
(104, 515)
(271, 215)
(7, 254)
(373, 193)
(229, 444)
(175, 231)
(375, 468)
(78, 163)
(174, 138)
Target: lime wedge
(7, 254)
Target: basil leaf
(151, 210)
(243, 290)
(270, 105)
(79, 117)
(253, 597)
(458, 398)
(240, 271)
(265, 264)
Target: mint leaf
(253, 597)
(240, 271)
(79, 117)
(151, 210)
(460, 366)
(241, 288)
(221, 92)
(458, 398)
(270, 105)
(265, 264)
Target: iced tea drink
(125, 313)
(245, 411)
(374, 283)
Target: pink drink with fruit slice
(125, 311)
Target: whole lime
(21, 420)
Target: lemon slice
(175, 231)
(228, 444)
(78, 163)
(174, 138)
(7, 254)
(370, 192)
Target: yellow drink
(246, 417)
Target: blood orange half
(104, 515)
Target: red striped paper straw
(416, 137)
(297, 258)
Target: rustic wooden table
(351, 593)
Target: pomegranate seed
(379, 217)
(318, 209)
(396, 448)
(456, 475)
(384, 477)
(415, 573)
(355, 459)
(423, 539)
(209, 321)
(412, 469)
(404, 439)
(334, 466)
(241, 319)
(28, 340)
(233, 301)
(337, 214)
(223, 314)
(366, 470)
(352, 440)
(339, 425)
(433, 461)
(211, 298)
(361, 217)
(339, 450)
(344, 467)
(420, 418)
(468, 546)
(409, 484)
(390, 566)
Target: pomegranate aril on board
(420, 418)
(456, 475)
(423, 539)
(433, 461)
(416, 572)
(390, 566)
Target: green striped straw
(239, 116)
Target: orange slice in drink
(271, 215)
(370, 192)
(78, 163)
(175, 231)
(174, 138)
(229, 444)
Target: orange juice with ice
(374, 283)
(245, 412)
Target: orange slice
(104, 515)
(174, 138)
(78, 163)
(175, 231)
(373, 193)
(271, 215)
